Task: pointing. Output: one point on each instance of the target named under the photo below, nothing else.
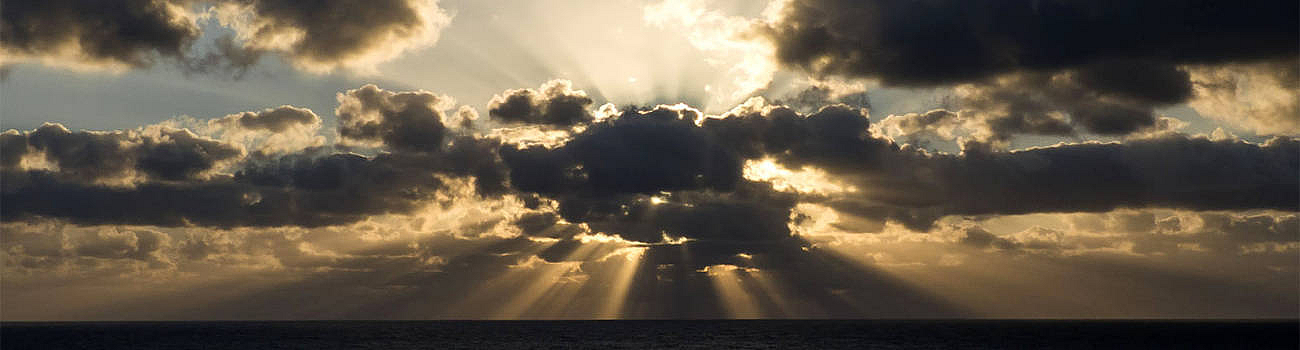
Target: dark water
(756, 334)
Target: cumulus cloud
(556, 104)
(654, 195)
(154, 153)
(408, 121)
(667, 159)
(273, 120)
(329, 35)
(637, 152)
(317, 37)
(1149, 172)
(270, 131)
(92, 34)
(171, 177)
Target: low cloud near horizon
(548, 201)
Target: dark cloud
(131, 32)
(159, 153)
(752, 213)
(641, 175)
(1104, 100)
(406, 121)
(980, 238)
(13, 146)
(1173, 171)
(940, 42)
(181, 155)
(295, 190)
(647, 175)
(1038, 67)
(546, 224)
(325, 35)
(834, 138)
(320, 36)
(557, 104)
(637, 152)
(311, 187)
(915, 188)
(275, 120)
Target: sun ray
(629, 260)
(739, 303)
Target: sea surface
(687, 334)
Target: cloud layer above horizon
(549, 202)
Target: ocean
(654, 334)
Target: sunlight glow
(618, 288)
(806, 180)
(734, 296)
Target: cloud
(155, 153)
(1054, 104)
(44, 246)
(171, 177)
(914, 187)
(817, 95)
(1113, 98)
(329, 35)
(270, 131)
(407, 121)
(1173, 171)
(913, 127)
(96, 34)
(639, 174)
(1025, 67)
(637, 152)
(980, 238)
(1258, 97)
(318, 37)
(556, 105)
(276, 120)
(944, 42)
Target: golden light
(732, 293)
(805, 180)
(629, 259)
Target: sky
(553, 159)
